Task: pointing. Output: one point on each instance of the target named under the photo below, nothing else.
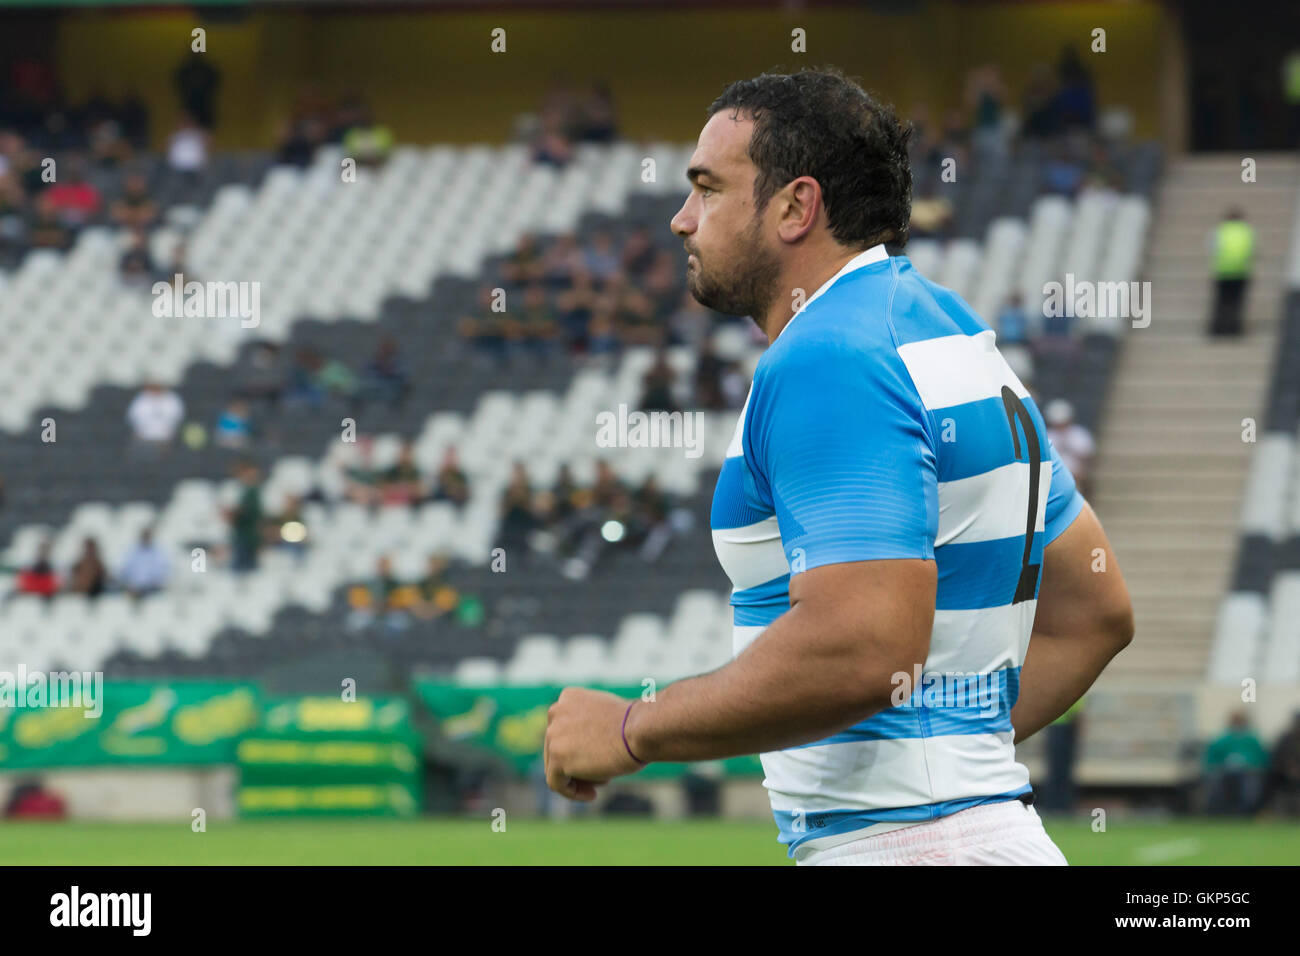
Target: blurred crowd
(575, 526)
(592, 297)
(145, 569)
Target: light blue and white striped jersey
(884, 423)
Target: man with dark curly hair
(915, 575)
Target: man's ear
(802, 201)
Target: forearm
(790, 687)
(1058, 670)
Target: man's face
(732, 268)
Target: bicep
(882, 611)
(1082, 587)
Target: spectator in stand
(535, 328)
(597, 115)
(708, 378)
(602, 331)
(639, 254)
(661, 284)
(197, 81)
(385, 378)
(246, 520)
(39, 578)
(402, 484)
(1282, 785)
(452, 483)
(187, 148)
(145, 568)
(639, 322)
(552, 146)
(13, 211)
(134, 209)
(88, 576)
(1072, 441)
(136, 264)
(524, 266)
(657, 386)
(299, 139)
(316, 376)
(1062, 174)
(1235, 763)
(658, 519)
(1102, 173)
(486, 329)
(1076, 104)
(985, 96)
(1039, 105)
(518, 520)
(301, 387)
(562, 261)
(565, 493)
(154, 415)
(434, 597)
(383, 595)
(366, 141)
(234, 428)
(574, 306)
(601, 258)
(263, 380)
(690, 323)
(73, 200)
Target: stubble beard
(751, 287)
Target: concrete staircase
(1172, 465)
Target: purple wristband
(626, 713)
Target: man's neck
(807, 277)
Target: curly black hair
(820, 123)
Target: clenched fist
(584, 742)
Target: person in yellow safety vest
(1056, 794)
(1233, 251)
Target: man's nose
(682, 224)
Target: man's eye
(705, 190)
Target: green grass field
(527, 842)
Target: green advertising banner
(175, 723)
(511, 721)
(324, 755)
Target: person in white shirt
(1073, 442)
(154, 416)
(145, 568)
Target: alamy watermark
(83, 690)
(208, 300)
(1082, 298)
(638, 429)
(952, 689)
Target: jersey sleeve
(840, 446)
(1064, 501)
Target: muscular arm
(826, 664)
(1084, 618)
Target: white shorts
(1008, 833)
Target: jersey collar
(867, 257)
